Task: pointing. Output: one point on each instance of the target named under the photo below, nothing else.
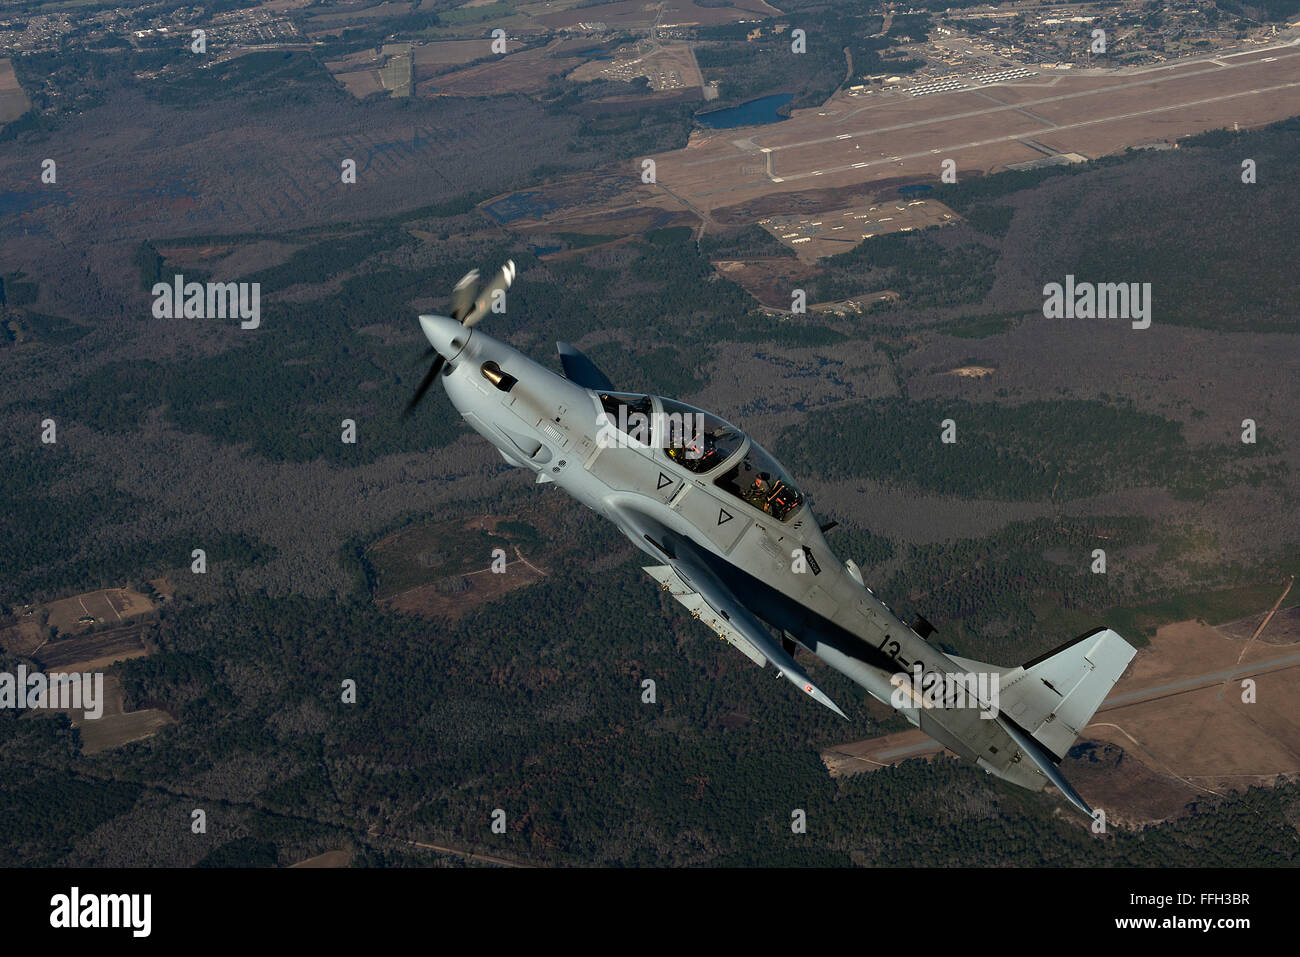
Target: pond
(754, 113)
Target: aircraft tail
(1044, 704)
(1054, 696)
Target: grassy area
(433, 552)
(493, 11)
(980, 327)
(1138, 623)
(1023, 452)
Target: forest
(171, 439)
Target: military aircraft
(734, 540)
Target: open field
(13, 101)
(815, 236)
(668, 67)
(445, 570)
(352, 15)
(93, 652)
(361, 83)
(105, 605)
(884, 751)
(444, 53)
(1180, 708)
(848, 142)
(526, 71)
(328, 859)
(116, 727)
(471, 590)
(638, 14)
(90, 654)
(768, 279)
(395, 74)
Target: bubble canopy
(702, 442)
(760, 480)
(696, 440)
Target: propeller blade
(462, 296)
(428, 380)
(501, 281)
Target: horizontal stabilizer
(1045, 764)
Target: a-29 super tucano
(734, 540)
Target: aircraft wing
(711, 602)
(688, 579)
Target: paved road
(1200, 681)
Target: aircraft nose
(445, 334)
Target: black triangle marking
(724, 516)
(663, 480)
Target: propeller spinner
(468, 306)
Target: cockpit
(761, 481)
(701, 442)
(696, 440)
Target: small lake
(754, 113)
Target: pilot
(759, 493)
(696, 454)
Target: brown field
(817, 235)
(115, 727)
(428, 601)
(165, 589)
(670, 67)
(106, 605)
(346, 16)
(642, 13)
(855, 305)
(362, 59)
(361, 83)
(1174, 727)
(850, 142)
(443, 570)
(13, 101)
(769, 280)
(429, 56)
(23, 637)
(623, 224)
(882, 752)
(592, 203)
(328, 859)
(185, 255)
(93, 652)
(1175, 711)
(524, 72)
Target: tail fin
(1054, 696)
